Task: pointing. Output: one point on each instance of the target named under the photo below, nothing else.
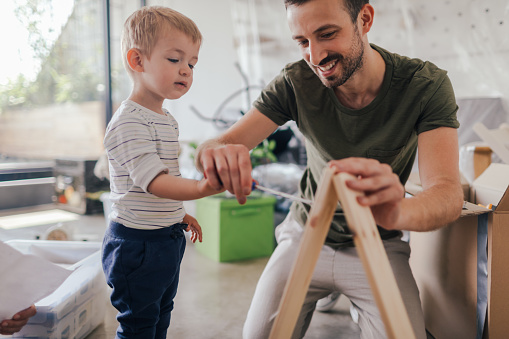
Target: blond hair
(143, 28)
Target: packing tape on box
(482, 272)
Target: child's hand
(194, 227)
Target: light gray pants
(338, 270)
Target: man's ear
(134, 60)
(366, 16)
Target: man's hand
(225, 161)
(228, 167)
(11, 326)
(382, 188)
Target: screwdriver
(281, 194)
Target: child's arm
(178, 188)
(194, 227)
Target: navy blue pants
(142, 267)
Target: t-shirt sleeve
(440, 109)
(277, 100)
(130, 145)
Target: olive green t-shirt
(415, 97)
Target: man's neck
(363, 87)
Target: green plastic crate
(235, 232)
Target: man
(363, 110)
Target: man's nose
(316, 53)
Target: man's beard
(349, 64)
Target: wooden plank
(375, 261)
(316, 229)
(369, 247)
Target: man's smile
(327, 67)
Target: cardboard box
(462, 269)
(482, 159)
(444, 264)
(235, 232)
(449, 273)
(78, 305)
(489, 187)
(498, 267)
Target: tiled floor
(213, 298)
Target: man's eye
(328, 35)
(302, 42)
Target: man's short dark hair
(352, 6)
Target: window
(53, 86)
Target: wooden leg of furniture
(317, 226)
(374, 259)
(369, 247)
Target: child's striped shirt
(140, 144)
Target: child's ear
(134, 59)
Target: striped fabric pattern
(140, 144)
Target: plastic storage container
(235, 232)
(78, 306)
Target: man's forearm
(433, 208)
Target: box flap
(497, 139)
(490, 186)
(503, 205)
(473, 209)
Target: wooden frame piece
(375, 261)
(369, 247)
(315, 232)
